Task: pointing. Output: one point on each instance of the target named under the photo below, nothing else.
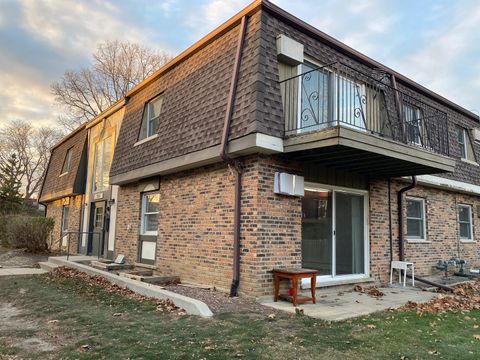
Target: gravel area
(219, 302)
(12, 258)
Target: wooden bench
(294, 275)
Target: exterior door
(97, 227)
(334, 233)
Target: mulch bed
(61, 273)
(465, 297)
(220, 302)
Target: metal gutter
(68, 136)
(401, 240)
(232, 163)
(106, 113)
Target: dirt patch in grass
(220, 302)
(12, 321)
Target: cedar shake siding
(194, 102)
(66, 189)
(57, 185)
(194, 237)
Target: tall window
(102, 159)
(151, 113)
(65, 215)
(67, 163)
(416, 219)
(149, 218)
(327, 96)
(465, 222)
(466, 149)
(413, 123)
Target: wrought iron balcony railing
(337, 94)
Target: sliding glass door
(334, 236)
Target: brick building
(270, 144)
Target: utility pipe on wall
(232, 163)
(401, 240)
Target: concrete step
(48, 266)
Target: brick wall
(128, 221)
(441, 225)
(195, 232)
(54, 210)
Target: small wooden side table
(294, 275)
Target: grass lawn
(67, 314)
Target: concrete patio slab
(335, 305)
(21, 271)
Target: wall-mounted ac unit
(289, 51)
(288, 184)
(476, 134)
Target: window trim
(470, 223)
(424, 220)
(146, 109)
(463, 144)
(101, 143)
(68, 155)
(143, 214)
(419, 121)
(64, 227)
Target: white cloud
(447, 57)
(77, 26)
(211, 15)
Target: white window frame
(68, 156)
(424, 219)
(463, 144)
(144, 213)
(419, 122)
(470, 221)
(64, 227)
(333, 93)
(149, 119)
(101, 145)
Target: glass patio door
(334, 233)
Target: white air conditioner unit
(289, 51)
(476, 134)
(288, 184)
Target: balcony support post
(399, 108)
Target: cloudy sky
(434, 42)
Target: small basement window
(151, 114)
(465, 222)
(416, 229)
(67, 163)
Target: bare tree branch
(117, 67)
(32, 146)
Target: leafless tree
(117, 67)
(32, 146)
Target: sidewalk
(20, 271)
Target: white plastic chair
(402, 266)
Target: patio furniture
(402, 266)
(294, 275)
